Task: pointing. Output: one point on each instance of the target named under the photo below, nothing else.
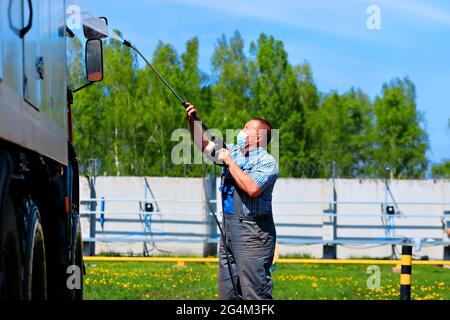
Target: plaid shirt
(263, 168)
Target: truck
(41, 254)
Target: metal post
(406, 271)
(102, 212)
(210, 245)
(92, 217)
(329, 234)
(329, 223)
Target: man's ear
(259, 141)
(263, 135)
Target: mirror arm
(82, 87)
(69, 33)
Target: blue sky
(331, 34)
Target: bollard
(446, 237)
(406, 271)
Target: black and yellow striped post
(405, 276)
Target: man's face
(251, 128)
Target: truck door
(34, 63)
(11, 51)
(44, 48)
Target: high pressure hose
(217, 142)
(183, 102)
(222, 233)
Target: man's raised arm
(201, 141)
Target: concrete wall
(185, 197)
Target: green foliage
(128, 120)
(275, 98)
(343, 132)
(441, 170)
(400, 141)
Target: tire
(10, 246)
(63, 248)
(35, 265)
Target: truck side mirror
(95, 28)
(94, 60)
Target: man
(248, 179)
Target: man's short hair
(264, 124)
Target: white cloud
(329, 17)
(326, 16)
(416, 10)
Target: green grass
(140, 280)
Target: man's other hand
(225, 156)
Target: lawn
(154, 280)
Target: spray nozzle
(127, 43)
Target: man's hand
(190, 110)
(195, 128)
(243, 180)
(225, 157)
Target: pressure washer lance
(217, 142)
(183, 102)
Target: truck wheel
(10, 253)
(35, 266)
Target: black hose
(222, 233)
(182, 101)
(217, 141)
(156, 72)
